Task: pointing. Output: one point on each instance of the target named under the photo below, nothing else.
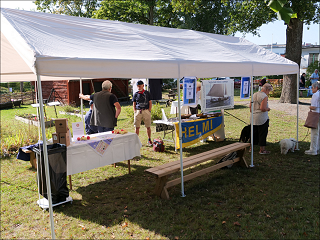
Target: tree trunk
(293, 53)
(21, 86)
(151, 15)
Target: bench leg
(242, 161)
(160, 189)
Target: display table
(101, 150)
(174, 108)
(192, 130)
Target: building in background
(310, 53)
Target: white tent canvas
(50, 45)
(66, 46)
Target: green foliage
(156, 113)
(153, 12)
(3, 89)
(284, 13)
(233, 203)
(16, 87)
(308, 83)
(313, 66)
(274, 77)
(68, 108)
(79, 8)
(276, 93)
(129, 113)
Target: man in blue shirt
(314, 77)
(142, 109)
(90, 129)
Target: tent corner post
(45, 154)
(298, 80)
(180, 134)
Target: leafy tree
(152, 12)
(206, 16)
(295, 13)
(313, 66)
(80, 8)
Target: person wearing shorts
(142, 106)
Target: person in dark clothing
(90, 129)
(106, 108)
(302, 83)
(142, 105)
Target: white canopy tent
(58, 46)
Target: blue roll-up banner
(245, 88)
(194, 131)
(189, 90)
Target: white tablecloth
(82, 157)
(174, 108)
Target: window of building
(313, 57)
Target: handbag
(158, 145)
(312, 120)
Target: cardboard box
(65, 138)
(61, 125)
(55, 138)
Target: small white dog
(287, 144)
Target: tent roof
(66, 46)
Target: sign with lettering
(194, 131)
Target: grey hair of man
(106, 85)
(268, 87)
(316, 85)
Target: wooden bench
(163, 172)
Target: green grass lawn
(278, 198)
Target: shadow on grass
(227, 195)
(239, 106)
(131, 198)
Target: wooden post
(70, 182)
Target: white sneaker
(309, 152)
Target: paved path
(288, 108)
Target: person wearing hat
(90, 129)
(142, 106)
(106, 108)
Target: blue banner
(245, 88)
(194, 131)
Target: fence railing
(25, 97)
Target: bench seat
(163, 172)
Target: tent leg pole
(298, 80)
(180, 134)
(251, 138)
(45, 154)
(81, 102)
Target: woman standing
(315, 107)
(261, 118)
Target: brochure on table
(78, 130)
(189, 91)
(245, 88)
(217, 94)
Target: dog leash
(306, 135)
(236, 117)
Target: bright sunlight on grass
(278, 198)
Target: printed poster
(245, 88)
(189, 90)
